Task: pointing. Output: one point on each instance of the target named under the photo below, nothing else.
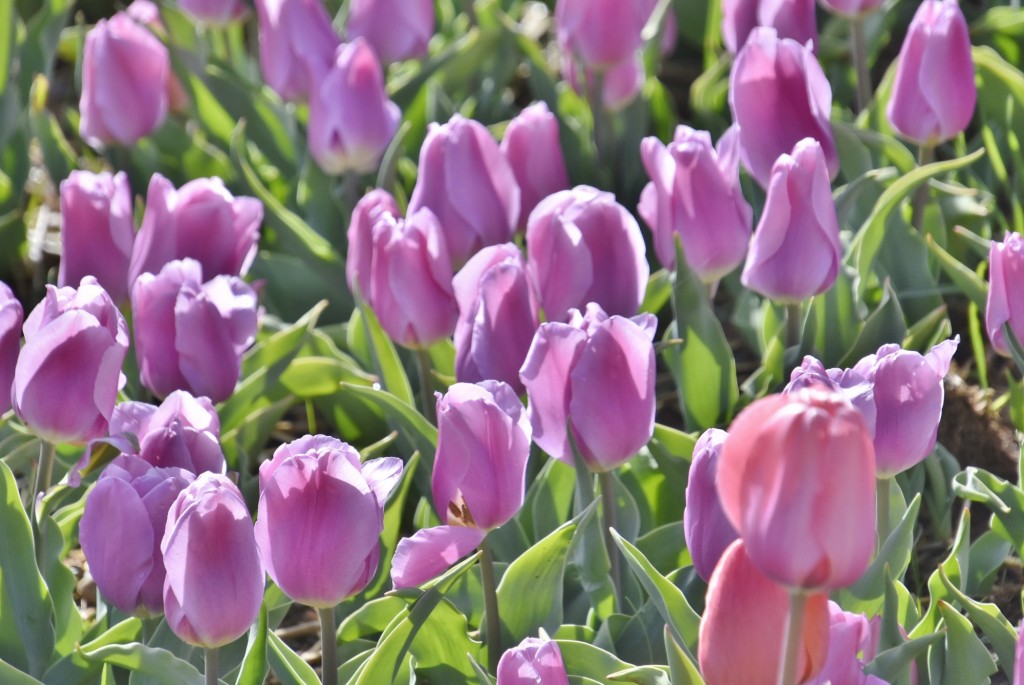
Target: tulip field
(461, 342)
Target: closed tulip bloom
(779, 95)
(321, 513)
(934, 93)
(740, 637)
(11, 318)
(705, 525)
(851, 8)
(214, 584)
(215, 12)
(859, 390)
(125, 69)
(121, 528)
(351, 120)
(148, 14)
(69, 371)
(797, 481)
(696, 195)
(1018, 657)
(791, 18)
(582, 247)
(467, 183)
(190, 335)
(852, 644)
(397, 29)
(371, 207)
(795, 251)
(1005, 304)
(534, 151)
(621, 83)
(97, 230)
(594, 375)
(532, 662)
(297, 45)
(498, 313)
(739, 18)
(601, 33)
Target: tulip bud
(1005, 304)
(811, 450)
(791, 18)
(351, 120)
(11, 317)
(601, 33)
(121, 528)
(851, 8)
(934, 93)
(465, 180)
(397, 29)
(321, 513)
(621, 83)
(533, 150)
(582, 247)
(852, 644)
(214, 584)
(371, 207)
(779, 95)
(148, 14)
(215, 12)
(695, 195)
(498, 314)
(597, 374)
(75, 344)
(191, 335)
(860, 391)
(740, 637)
(532, 662)
(297, 45)
(795, 251)
(125, 71)
(97, 230)
(705, 525)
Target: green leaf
(7, 42)
(75, 669)
(409, 422)
(9, 675)
(384, 355)
(587, 661)
(684, 671)
(967, 660)
(893, 662)
(642, 675)
(990, 620)
(1005, 500)
(288, 666)
(254, 664)
(970, 284)
(158, 665)
(884, 325)
(659, 291)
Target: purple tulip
(791, 18)
(215, 12)
(934, 93)
(705, 525)
(372, 207)
(321, 513)
(779, 95)
(582, 247)
(125, 71)
(847, 382)
(351, 120)
(739, 18)
(696, 195)
(601, 33)
(532, 662)
(148, 14)
(190, 335)
(297, 45)
(214, 584)
(11, 318)
(397, 29)
(97, 230)
(851, 8)
(622, 80)
(596, 373)
(69, 371)
(1005, 303)
(121, 528)
(533, 150)
(1018, 657)
(465, 180)
(795, 251)
(498, 314)
(852, 645)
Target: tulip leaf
(288, 666)
(61, 584)
(308, 377)
(966, 280)
(659, 291)
(893, 662)
(1005, 500)
(411, 425)
(884, 325)
(7, 42)
(9, 675)
(584, 660)
(589, 560)
(990, 620)
(966, 660)
(371, 618)
(684, 671)
(382, 352)
(75, 669)
(158, 665)
(254, 665)
(549, 500)
(642, 675)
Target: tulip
(397, 29)
(69, 371)
(601, 33)
(594, 375)
(779, 95)
(97, 230)
(695, 194)
(125, 71)
(190, 335)
(297, 45)
(740, 629)
(533, 662)
(148, 14)
(465, 180)
(852, 644)
(214, 584)
(582, 247)
(121, 528)
(791, 18)
(795, 251)
(1005, 304)
(739, 18)
(533, 150)
(705, 525)
(797, 481)
(214, 12)
(321, 513)
(11, 317)
(201, 220)
(851, 8)
(850, 384)
(620, 84)
(1018, 657)
(351, 120)
(934, 93)
(498, 314)
(373, 206)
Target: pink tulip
(791, 18)
(371, 208)
(297, 45)
(533, 662)
(215, 12)
(397, 29)
(1005, 304)
(705, 525)
(148, 14)
(1018, 657)
(601, 33)
(852, 644)
(11, 318)
(533, 150)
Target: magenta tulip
(533, 662)
(601, 33)
(297, 45)
(1005, 304)
(534, 151)
(852, 644)
(705, 525)
(372, 207)
(791, 18)
(215, 12)
(397, 29)
(148, 14)
(11, 318)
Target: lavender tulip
(397, 29)
(852, 644)
(215, 12)
(373, 206)
(11, 317)
(705, 525)
(70, 330)
(533, 150)
(620, 84)
(297, 45)
(601, 33)
(148, 14)
(851, 8)
(795, 251)
(1005, 304)
(121, 528)
(532, 662)
(190, 335)
(791, 18)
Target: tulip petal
(555, 350)
(430, 552)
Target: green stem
(493, 620)
(328, 647)
(859, 52)
(351, 184)
(149, 626)
(211, 666)
(882, 490)
(925, 155)
(425, 365)
(792, 644)
(584, 493)
(607, 482)
(794, 319)
(595, 97)
(44, 474)
(470, 12)
(311, 417)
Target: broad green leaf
(993, 625)
(372, 618)
(409, 422)
(587, 661)
(7, 42)
(384, 355)
(9, 675)
(60, 582)
(891, 663)
(75, 669)
(549, 500)
(884, 325)
(643, 675)
(1005, 500)
(684, 671)
(659, 291)
(967, 660)
(308, 377)
(288, 666)
(254, 665)
(159, 665)
(968, 282)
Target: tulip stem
(859, 53)
(491, 616)
(882, 490)
(925, 156)
(44, 474)
(607, 482)
(595, 97)
(212, 666)
(793, 325)
(328, 647)
(470, 12)
(791, 646)
(425, 366)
